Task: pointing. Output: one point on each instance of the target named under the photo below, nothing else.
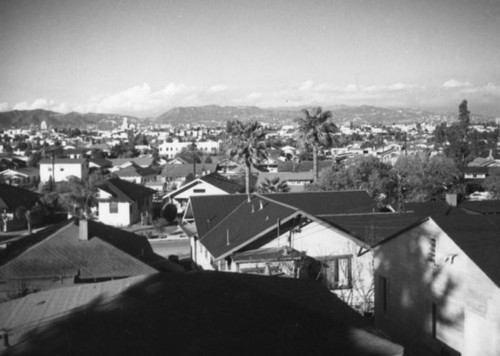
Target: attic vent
(432, 251)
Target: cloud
(218, 88)
(4, 107)
(453, 83)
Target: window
(61, 169)
(113, 207)
(383, 292)
(434, 320)
(337, 272)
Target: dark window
(434, 320)
(384, 291)
(337, 272)
(113, 207)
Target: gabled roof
(26, 171)
(248, 222)
(183, 170)
(144, 161)
(479, 237)
(124, 191)
(334, 202)
(11, 197)
(214, 179)
(428, 208)
(373, 228)
(188, 313)
(258, 217)
(103, 163)
(135, 170)
(108, 253)
(209, 210)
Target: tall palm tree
(245, 143)
(315, 131)
(273, 185)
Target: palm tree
(274, 186)
(315, 131)
(245, 142)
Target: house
(75, 252)
(303, 166)
(14, 202)
(136, 174)
(100, 164)
(60, 169)
(210, 184)
(234, 232)
(21, 176)
(230, 168)
(437, 286)
(187, 314)
(122, 203)
(175, 174)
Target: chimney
(451, 199)
(83, 230)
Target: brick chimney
(83, 229)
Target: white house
(337, 247)
(121, 203)
(60, 169)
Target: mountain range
(212, 115)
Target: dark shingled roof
(109, 252)
(202, 313)
(481, 206)
(135, 170)
(373, 228)
(479, 237)
(304, 166)
(11, 197)
(209, 210)
(320, 203)
(182, 170)
(121, 190)
(244, 224)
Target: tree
(78, 196)
(492, 182)
(360, 173)
(315, 131)
(245, 143)
(423, 178)
(273, 186)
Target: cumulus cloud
(4, 107)
(218, 88)
(453, 83)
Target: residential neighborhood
(277, 177)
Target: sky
(143, 58)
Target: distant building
(60, 169)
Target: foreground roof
(479, 237)
(201, 313)
(108, 253)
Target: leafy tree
(169, 213)
(315, 131)
(273, 186)
(78, 196)
(492, 183)
(245, 143)
(360, 173)
(424, 178)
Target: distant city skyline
(144, 58)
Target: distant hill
(220, 114)
(282, 115)
(27, 118)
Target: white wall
(63, 171)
